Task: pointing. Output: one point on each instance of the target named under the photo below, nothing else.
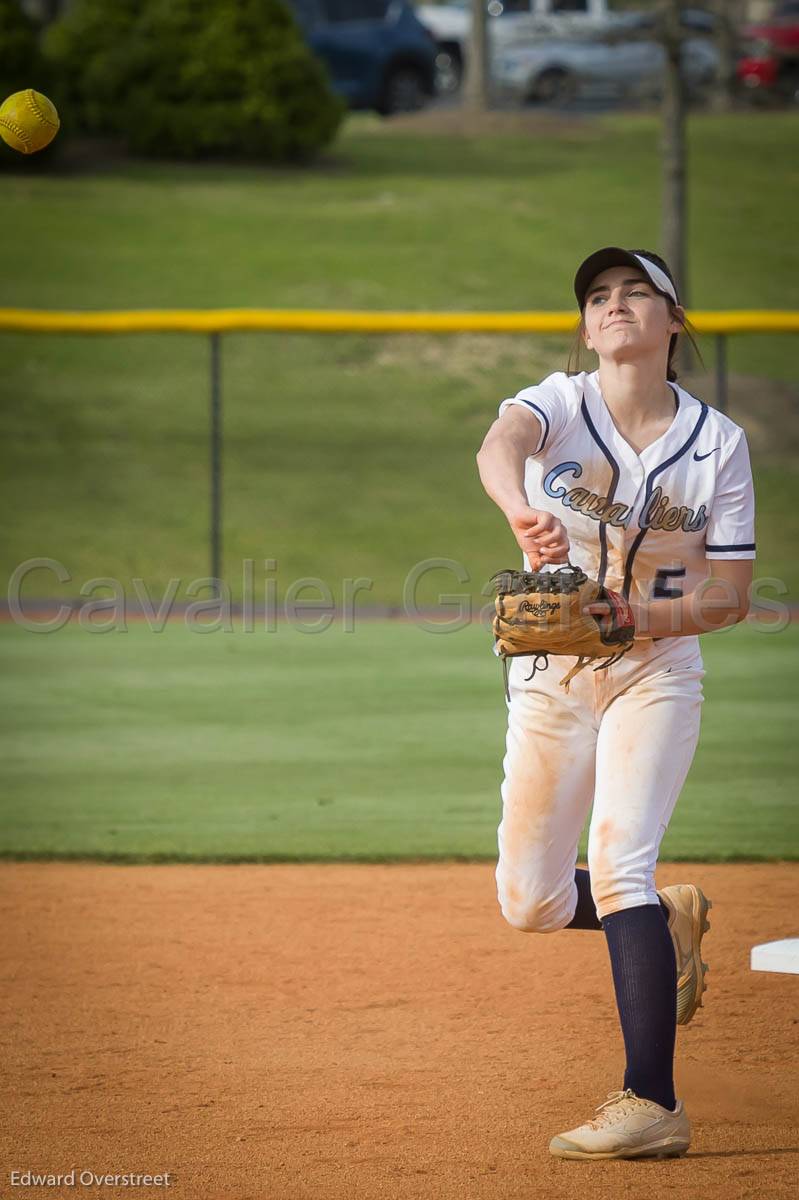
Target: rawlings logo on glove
(538, 610)
(542, 612)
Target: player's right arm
(510, 441)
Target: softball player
(649, 491)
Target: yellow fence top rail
(297, 320)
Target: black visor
(614, 256)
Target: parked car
(557, 71)
(768, 66)
(377, 52)
(520, 21)
(451, 23)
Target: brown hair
(688, 329)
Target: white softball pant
(623, 738)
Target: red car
(768, 66)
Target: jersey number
(662, 590)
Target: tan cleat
(688, 907)
(627, 1127)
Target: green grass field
(382, 743)
(349, 456)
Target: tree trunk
(673, 159)
(729, 16)
(477, 67)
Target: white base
(777, 956)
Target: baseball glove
(541, 612)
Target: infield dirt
(364, 1031)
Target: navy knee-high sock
(585, 914)
(645, 979)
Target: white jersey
(647, 525)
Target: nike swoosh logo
(698, 457)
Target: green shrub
(88, 53)
(195, 78)
(19, 53)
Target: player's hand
(602, 610)
(540, 535)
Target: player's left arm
(721, 600)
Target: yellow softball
(28, 121)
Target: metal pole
(216, 458)
(721, 372)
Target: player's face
(625, 318)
